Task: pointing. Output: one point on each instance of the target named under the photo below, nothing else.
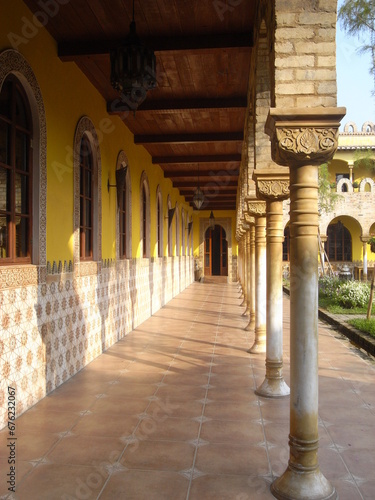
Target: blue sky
(354, 82)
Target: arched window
(123, 184)
(87, 195)
(178, 250)
(159, 225)
(339, 243)
(86, 164)
(145, 216)
(170, 249)
(183, 246)
(15, 174)
(123, 226)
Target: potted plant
(371, 242)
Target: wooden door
(207, 252)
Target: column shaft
(251, 324)
(274, 384)
(259, 345)
(303, 479)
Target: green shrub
(347, 294)
(352, 294)
(328, 286)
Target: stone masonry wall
(305, 53)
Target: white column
(259, 345)
(274, 384)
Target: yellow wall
(67, 96)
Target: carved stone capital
(272, 184)
(249, 219)
(256, 208)
(306, 136)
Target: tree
(358, 18)
(327, 198)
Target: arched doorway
(215, 252)
(339, 243)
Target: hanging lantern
(133, 68)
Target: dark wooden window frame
(339, 241)
(17, 92)
(123, 223)
(86, 199)
(144, 220)
(160, 226)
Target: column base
(246, 312)
(259, 347)
(273, 388)
(250, 326)
(294, 485)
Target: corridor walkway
(170, 413)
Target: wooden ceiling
(193, 121)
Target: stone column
(303, 139)
(351, 165)
(258, 210)
(273, 185)
(364, 241)
(251, 325)
(245, 265)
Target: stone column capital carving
(256, 208)
(272, 184)
(364, 239)
(306, 136)
(249, 219)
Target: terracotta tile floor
(170, 413)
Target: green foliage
(344, 294)
(353, 294)
(327, 197)
(365, 159)
(365, 325)
(328, 286)
(358, 18)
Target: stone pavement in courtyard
(170, 413)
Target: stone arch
(344, 183)
(368, 128)
(350, 128)
(13, 63)
(364, 183)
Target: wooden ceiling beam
(189, 138)
(118, 106)
(188, 184)
(69, 51)
(164, 160)
(190, 193)
(201, 173)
